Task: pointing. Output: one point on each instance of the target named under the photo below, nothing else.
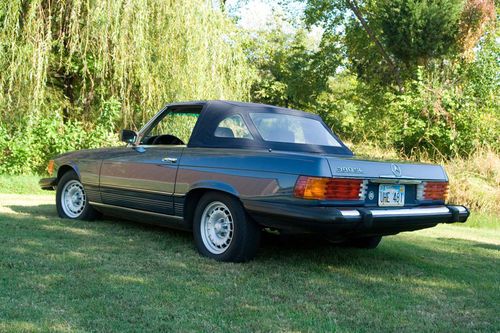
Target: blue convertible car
(228, 170)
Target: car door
(142, 178)
(142, 175)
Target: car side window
(233, 127)
(171, 129)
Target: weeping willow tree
(112, 61)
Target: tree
(416, 31)
(70, 68)
(291, 72)
(405, 33)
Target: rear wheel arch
(193, 198)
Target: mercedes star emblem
(396, 170)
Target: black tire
(370, 242)
(244, 233)
(85, 212)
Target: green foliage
(433, 118)
(73, 68)
(292, 71)
(447, 104)
(27, 150)
(74, 72)
(417, 31)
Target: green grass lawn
(116, 276)
(26, 184)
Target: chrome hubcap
(217, 227)
(73, 198)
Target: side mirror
(128, 136)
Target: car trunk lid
(385, 170)
(393, 183)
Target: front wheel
(223, 231)
(71, 199)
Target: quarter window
(233, 127)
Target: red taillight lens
(328, 188)
(50, 167)
(435, 191)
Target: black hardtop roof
(224, 105)
(214, 111)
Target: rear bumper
(353, 220)
(446, 214)
(48, 183)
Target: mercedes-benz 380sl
(228, 170)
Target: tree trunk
(395, 70)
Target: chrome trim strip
(412, 211)
(395, 177)
(461, 209)
(98, 204)
(90, 184)
(133, 189)
(403, 212)
(393, 180)
(350, 213)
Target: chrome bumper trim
(461, 209)
(404, 212)
(350, 213)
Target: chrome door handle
(169, 159)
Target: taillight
(50, 167)
(329, 188)
(432, 191)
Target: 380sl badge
(349, 170)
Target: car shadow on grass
(273, 247)
(486, 246)
(49, 211)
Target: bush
(438, 119)
(28, 149)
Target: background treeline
(418, 77)
(73, 72)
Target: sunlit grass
(485, 221)
(26, 184)
(115, 276)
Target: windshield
(292, 129)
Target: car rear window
(286, 128)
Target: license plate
(391, 195)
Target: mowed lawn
(116, 276)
